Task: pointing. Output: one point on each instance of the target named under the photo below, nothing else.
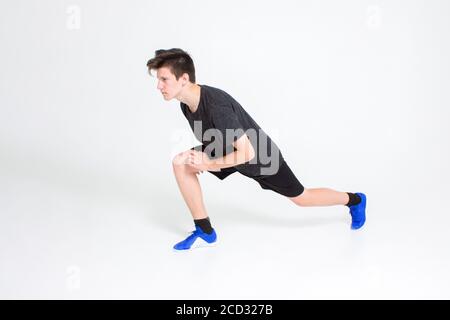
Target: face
(169, 86)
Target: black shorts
(283, 182)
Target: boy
(231, 142)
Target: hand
(198, 161)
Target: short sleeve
(227, 123)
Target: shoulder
(216, 95)
(218, 100)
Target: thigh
(283, 182)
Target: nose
(159, 87)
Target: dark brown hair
(176, 59)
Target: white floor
(357, 100)
(73, 235)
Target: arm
(244, 153)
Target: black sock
(353, 199)
(204, 224)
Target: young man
(231, 142)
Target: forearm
(230, 160)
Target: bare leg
(320, 197)
(189, 186)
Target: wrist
(212, 166)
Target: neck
(190, 95)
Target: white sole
(198, 245)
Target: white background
(355, 94)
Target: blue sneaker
(197, 239)
(358, 212)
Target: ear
(185, 78)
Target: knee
(179, 161)
(302, 199)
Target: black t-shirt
(218, 115)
